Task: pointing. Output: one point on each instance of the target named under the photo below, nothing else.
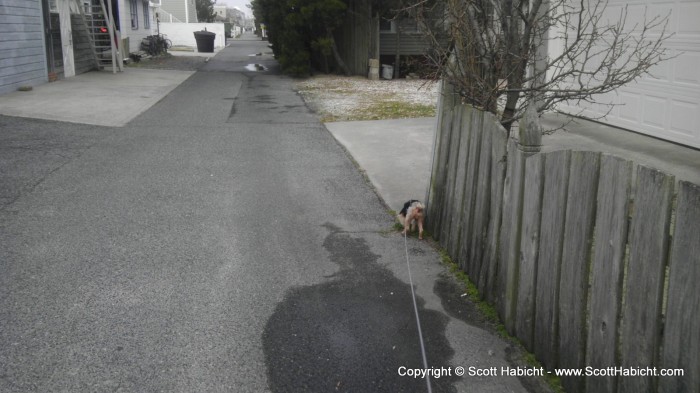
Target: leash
(415, 309)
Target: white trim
(187, 12)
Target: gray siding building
(47, 40)
(22, 47)
(183, 11)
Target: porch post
(66, 37)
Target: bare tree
(502, 54)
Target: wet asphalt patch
(353, 332)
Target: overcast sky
(240, 4)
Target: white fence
(182, 34)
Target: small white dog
(413, 213)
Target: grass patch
(392, 110)
(146, 61)
(382, 110)
(491, 315)
(485, 308)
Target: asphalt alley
(222, 241)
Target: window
(392, 25)
(146, 16)
(409, 26)
(134, 15)
(386, 25)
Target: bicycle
(148, 45)
(167, 44)
(156, 44)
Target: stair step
(94, 20)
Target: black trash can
(205, 41)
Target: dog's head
(419, 208)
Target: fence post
(530, 131)
(530, 143)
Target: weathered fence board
(499, 140)
(648, 244)
(482, 152)
(454, 245)
(446, 105)
(529, 246)
(481, 211)
(470, 192)
(681, 344)
(510, 240)
(607, 268)
(573, 287)
(450, 219)
(556, 183)
(445, 214)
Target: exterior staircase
(102, 34)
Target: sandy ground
(338, 98)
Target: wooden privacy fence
(591, 260)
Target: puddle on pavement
(358, 324)
(255, 67)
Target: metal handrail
(168, 14)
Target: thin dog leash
(415, 308)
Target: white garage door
(665, 104)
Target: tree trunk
(336, 54)
(326, 68)
(398, 51)
(509, 110)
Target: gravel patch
(339, 98)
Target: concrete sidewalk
(395, 154)
(99, 98)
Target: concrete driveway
(99, 97)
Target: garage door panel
(684, 117)
(612, 14)
(661, 10)
(630, 107)
(689, 15)
(636, 15)
(687, 68)
(660, 72)
(655, 109)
